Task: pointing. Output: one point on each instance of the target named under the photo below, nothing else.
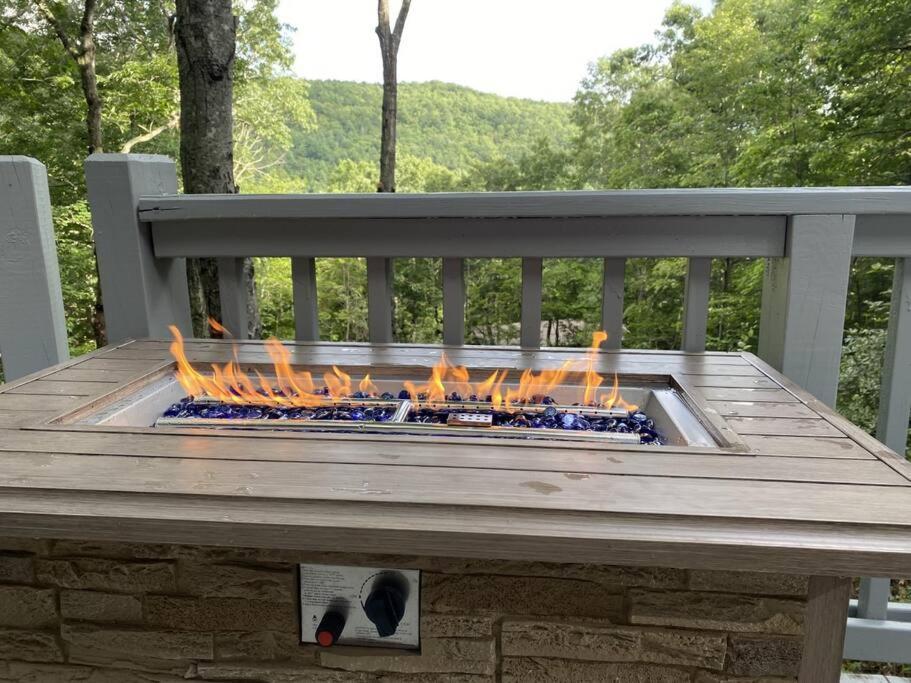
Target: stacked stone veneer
(120, 612)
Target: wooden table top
(810, 494)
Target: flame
(290, 387)
(366, 386)
(218, 327)
(593, 379)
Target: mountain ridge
(453, 125)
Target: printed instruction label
(344, 589)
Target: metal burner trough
(677, 417)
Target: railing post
(696, 304)
(379, 299)
(453, 301)
(530, 327)
(142, 294)
(306, 312)
(232, 295)
(612, 301)
(895, 397)
(32, 324)
(803, 302)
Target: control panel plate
(345, 589)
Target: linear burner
(417, 415)
(668, 413)
(570, 402)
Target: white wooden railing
(144, 230)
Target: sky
(537, 49)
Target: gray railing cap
(682, 202)
(122, 156)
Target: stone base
(125, 613)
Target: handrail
(432, 236)
(562, 204)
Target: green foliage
(653, 302)
(268, 112)
(43, 114)
(78, 278)
(342, 298)
(571, 301)
(862, 358)
(543, 167)
(276, 299)
(492, 300)
(42, 108)
(759, 92)
(418, 300)
(452, 126)
(734, 302)
(863, 52)
(354, 176)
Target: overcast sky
(524, 48)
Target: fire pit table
(354, 512)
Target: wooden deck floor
(810, 494)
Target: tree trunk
(86, 63)
(82, 51)
(387, 139)
(389, 49)
(205, 33)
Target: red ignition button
(330, 628)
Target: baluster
(873, 599)
(233, 296)
(142, 294)
(696, 304)
(32, 324)
(453, 301)
(530, 331)
(803, 302)
(379, 299)
(306, 312)
(612, 301)
(894, 397)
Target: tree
(206, 45)
(82, 52)
(389, 49)
(863, 53)
(137, 79)
(81, 49)
(127, 51)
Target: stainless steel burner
(676, 418)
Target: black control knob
(385, 606)
(330, 628)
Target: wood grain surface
(812, 493)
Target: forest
(450, 125)
(754, 93)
